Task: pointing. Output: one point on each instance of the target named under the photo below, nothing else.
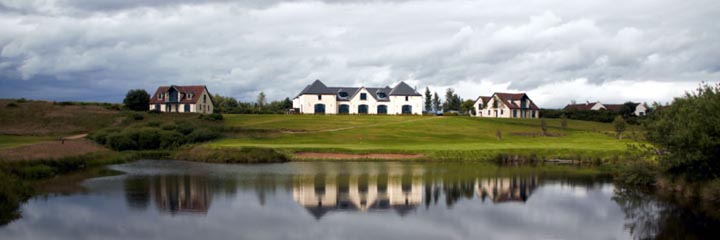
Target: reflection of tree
(649, 218)
(137, 192)
(507, 189)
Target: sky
(557, 51)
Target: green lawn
(440, 137)
(7, 141)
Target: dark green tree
(137, 100)
(627, 110)
(687, 132)
(436, 102)
(428, 99)
(468, 107)
(620, 126)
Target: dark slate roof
(402, 89)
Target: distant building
(317, 98)
(640, 108)
(182, 99)
(506, 105)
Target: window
(514, 113)
(488, 112)
(362, 109)
(204, 98)
(187, 108)
(319, 97)
(381, 109)
(363, 96)
(344, 109)
(160, 96)
(502, 112)
(407, 98)
(406, 109)
(495, 103)
(381, 95)
(480, 106)
(189, 96)
(533, 113)
(343, 94)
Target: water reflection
(170, 193)
(352, 201)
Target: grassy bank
(437, 138)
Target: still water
(350, 200)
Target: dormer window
(160, 96)
(381, 95)
(189, 96)
(343, 94)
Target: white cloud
(241, 48)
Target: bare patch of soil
(346, 156)
(51, 150)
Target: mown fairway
(434, 136)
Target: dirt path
(345, 156)
(75, 137)
(353, 127)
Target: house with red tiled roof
(587, 106)
(182, 99)
(506, 105)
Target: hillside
(436, 137)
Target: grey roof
(402, 89)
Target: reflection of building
(322, 194)
(181, 194)
(506, 189)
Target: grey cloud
(240, 48)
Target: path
(353, 127)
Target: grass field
(7, 141)
(436, 137)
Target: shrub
(137, 117)
(153, 124)
(121, 142)
(711, 192)
(202, 135)
(12, 105)
(184, 127)
(171, 139)
(687, 132)
(36, 172)
(12, 193)
(212, 117)
(154, 111)
(21, 100)
(168, 127)
(148, 138)
(637, 174)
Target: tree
(619, 124)
(137, 100)
(563, 122)
(452, 100)
(428, 99)
(543, 127)
(468, 107)
(261, 101)
(498, 134)
(436, 102)
(287, 104)
(627, 110)
(688, 134)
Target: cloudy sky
(556, 50)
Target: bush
(148, 138)
(202, 135)
(171, 139)
(154, 111)
(184, 127)
(36, 172)
(637, 174)
(138, 117)
(153, 124)
(687, 132)
(168, 127)
(12, 105)
(121, 142)
(21, 100)
(212, 117)
(12, 193)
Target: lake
(351, 200)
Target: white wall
(308, 101)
